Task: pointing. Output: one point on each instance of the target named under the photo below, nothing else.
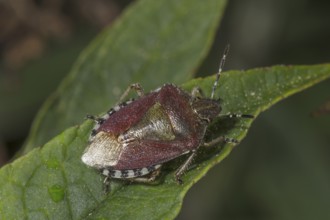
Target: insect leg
(220, 139)
(96, 119)
(226, 139)
(180, 171)
(236, 116)
(106, 185)
(150, 178)
(196, 92)
(136, 86)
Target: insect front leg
(223, 138)
(137, 87)
(96, 119)
(196, 92)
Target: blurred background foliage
(280, 171)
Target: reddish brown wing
(127, 116)
(150, 152)
(189, 133)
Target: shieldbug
(135, 138)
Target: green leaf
(153, 42)
(52, 182)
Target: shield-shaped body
(136, 137)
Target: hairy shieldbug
(133, 139)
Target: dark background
(280, 171)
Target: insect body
(135, 138)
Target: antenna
(222, 63)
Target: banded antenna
(222, 63)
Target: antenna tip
(227, 49)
